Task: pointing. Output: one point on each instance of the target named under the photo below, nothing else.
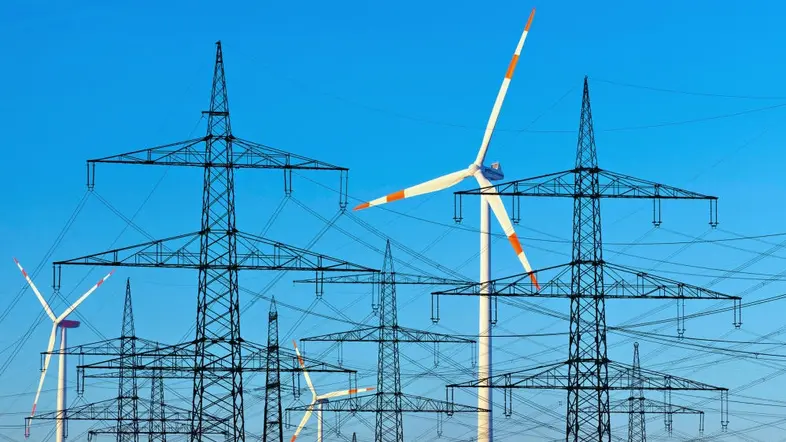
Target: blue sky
(400, 93)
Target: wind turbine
(318, 400)
(64, 324)
(483, 175)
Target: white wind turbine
(483, 175)
(64, 324)
(318, 400)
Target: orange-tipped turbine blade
(434, 185)
(502, 216)
(503, 90)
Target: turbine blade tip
(529, 21)
(361, 206)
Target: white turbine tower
(318, 400)
(63, 324)
(483, 175)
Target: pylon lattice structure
(588, 281)
(637, 406)
(273, 430)
(127, 411)
(216, 352)
(388, 402)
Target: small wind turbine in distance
(318, 400)
(64, 324)
(483, 175)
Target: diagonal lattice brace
(374, 334)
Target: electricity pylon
(388, 402)
(218, 250)
(588, 281)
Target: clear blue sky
(399, 94)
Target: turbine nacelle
(67, 323)
(493, 172)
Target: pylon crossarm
(626, 282)
(109, 347)
(107, 411)
(556, 377)
(412, 335)
(259, 156)
(620, 283)
(180, 153)
(170, 427)
(362, 334)
(177, 362)
(367, 403)
(373, 334)
(182, 251)
(289, 363)
(611, 184)
(651, 406)
(374, 278)
(190, 153)
(619, 378)
(548, 376)
(519, 285)
(278, 256)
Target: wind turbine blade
(302, 423)
(83, 297)
(35, 290)
(434, 185)
(305, 373)
(345, 392)
(502, 216)
(503, 90)
(47, 358)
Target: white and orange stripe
(503, 90)
(434, 185)
(501, 214)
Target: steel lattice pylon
(127, 394)
(637, 422)
(273, 431)
(588, 281)
(587, 355)
(217, 367)
(389, 402)
(389, 420)
(157, 418)
(218, 308)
